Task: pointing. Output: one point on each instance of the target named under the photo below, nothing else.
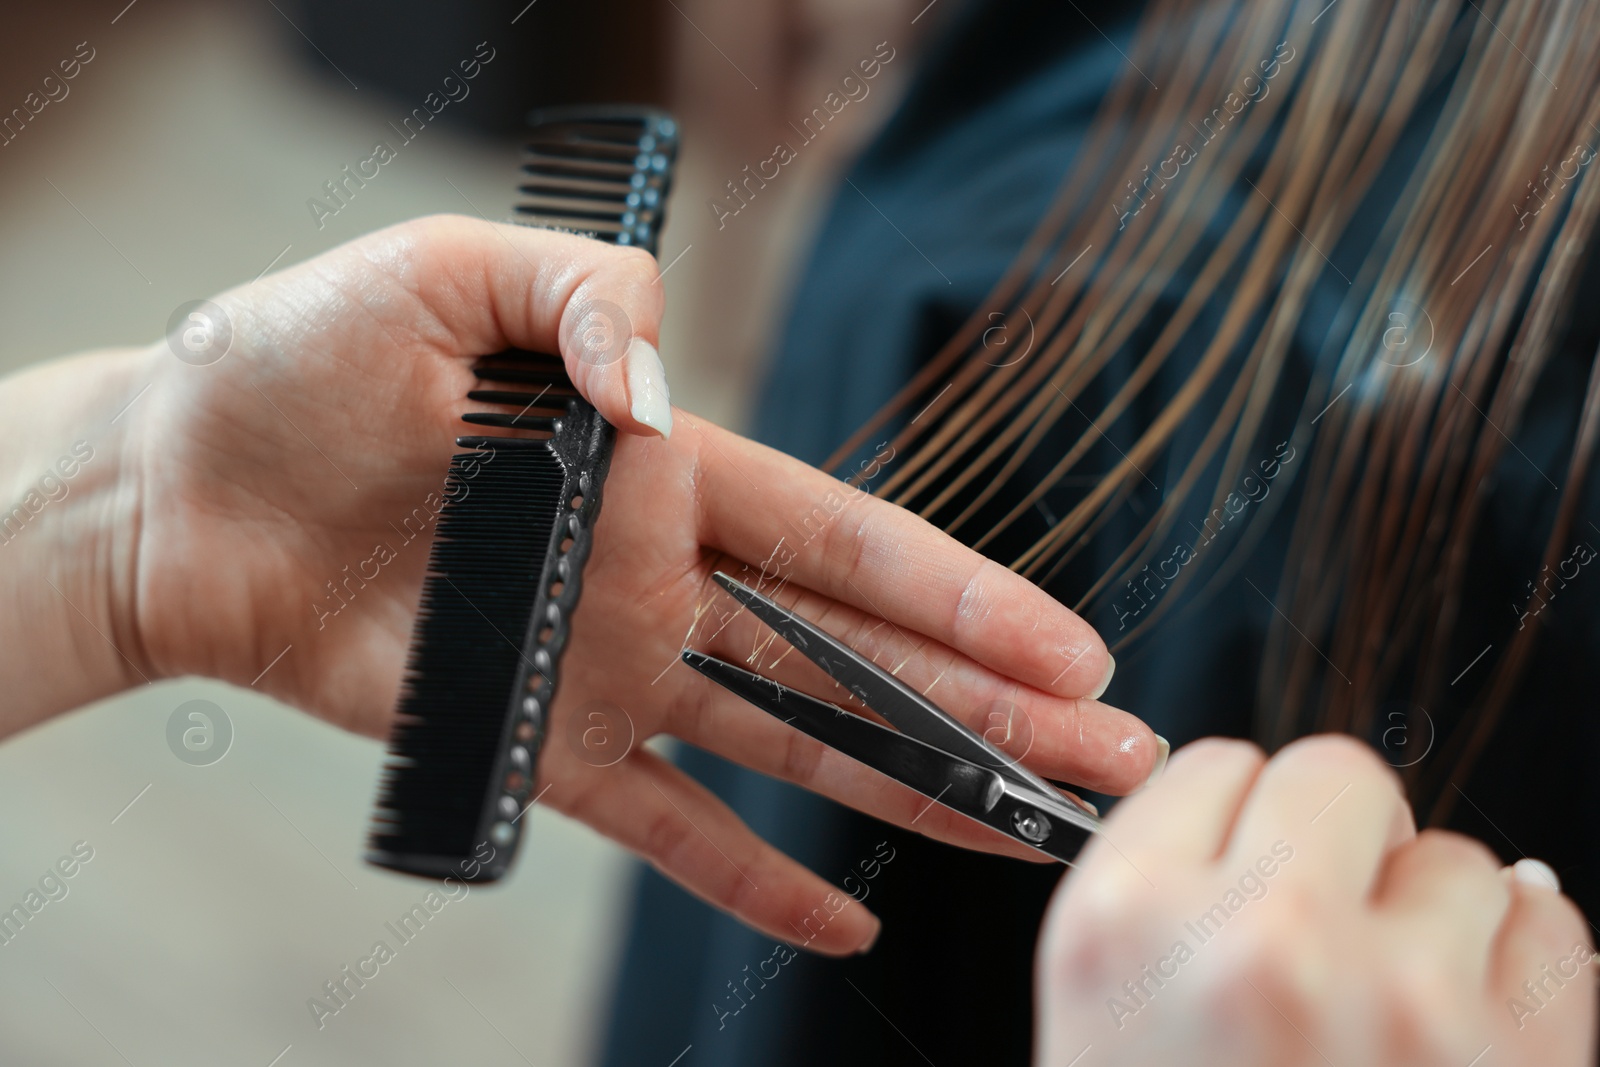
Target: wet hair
(1203, 214)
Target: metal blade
(912, 713)
(979, 793)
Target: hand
(1286, 913)
(267, 478)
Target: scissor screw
(1030, 825)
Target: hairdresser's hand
(1286, 913)
(266, 536)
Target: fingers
(1090, 744)
(760, 505)
(724, 724)
(491, 285)
(1543, 966)
(655, 810)
(1185, 819)
(1541, 927)
(1444, 894)
(1336, 805)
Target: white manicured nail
(648, 399)
(1535, 872)
(1163, 750)
(1105, 683)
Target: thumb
(497, 285)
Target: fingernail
(1535, 872)
(648, 399)
(1105, 683)
(1163, 750)
(866, 946)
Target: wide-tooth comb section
(542, 400)
(509, 422)
(556, 379)
(605, 173)
(546, 399)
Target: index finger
(793, 520)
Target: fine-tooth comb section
(505, 571)
(451, 666)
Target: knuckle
(975, 603)
(1338, 753)
(918, 664)
(974, 591)
(1451, 849)
(688, 714)
(1279, 956)
(845, 540)
(1290, 913)
(736, 894)
(665, 833)
(867, 636)
(421, 231)
(802, 755)
(625, 275)
(1093, 938)
(633, 264)
(421, 242)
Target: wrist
(69, 519)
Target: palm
(289, 462)
(289, 491)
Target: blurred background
(180, 162)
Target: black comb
(505, 571)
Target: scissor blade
(977, 792)
(912, 713)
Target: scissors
(929, 751)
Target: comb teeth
(510, 422)
(505, 572)
(602, 172)
(553, 377)
(542, 400)
(466, 652)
